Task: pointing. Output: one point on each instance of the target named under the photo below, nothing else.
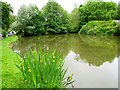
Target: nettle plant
(44, 70)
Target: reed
(44, 70)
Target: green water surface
(92, 59)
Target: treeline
(53, 19)
(6, 18)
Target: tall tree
(24, 20)
(74, 20)
(56, 18)
(6, 11)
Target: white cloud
(66, 4)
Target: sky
(66, 4)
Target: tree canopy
(24, 21)
(74, 20)
(53, 19)
(97, 11)
(6, 11)
(56, 18)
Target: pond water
(92, 59)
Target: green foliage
(100, 49)
(51, 19)
(4, 33)
(97, 11)
(11, 76)
(119, 10)
(43, 70)
(100, 27)
(24, 23)
(5, 14)
(74, 20)
(12, 19)
(56, 18)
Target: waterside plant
(44, 70)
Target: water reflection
(92, 59)
(94, 50)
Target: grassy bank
(11, 76)
(100, 27)
(38, 69)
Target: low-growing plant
(109, 27)
(44, 70)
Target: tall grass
(44, 70)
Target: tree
(74, 20)
(6, 12)
(97, 11)
(119, 10)
(12, 19)
(55, 18)
(24, 20)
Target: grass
(39, 70)
(11, 76)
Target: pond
(92, 59)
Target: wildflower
(60, 59)
(34, 52)
(41, 61)
(53, 54)
(29, 70)
(69, 78)
(53, 60)
(59, 62)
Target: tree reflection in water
(94, 50)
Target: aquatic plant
(44, 69)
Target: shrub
(100, 27)
(44, 70)
(4, 33)
(97, 11)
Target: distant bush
(100, 27)
(4, 33)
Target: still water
(92, 59)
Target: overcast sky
(66, 4)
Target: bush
(97, 11)
(100, 27)
(44, 70)
(4, 33)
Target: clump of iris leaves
(44, 70)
